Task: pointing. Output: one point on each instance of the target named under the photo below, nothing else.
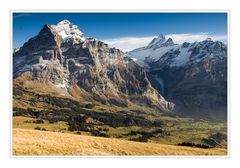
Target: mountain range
(188, 79)
(191, 75)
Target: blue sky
(118, 28)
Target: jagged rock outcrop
(191, 75)
(61, 55)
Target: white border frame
(228, 156)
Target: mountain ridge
(61, 55)
(192, 75)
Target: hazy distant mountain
(192, 75)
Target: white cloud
(180, 38)
(130, 43)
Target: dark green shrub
(37, 128)
(194, 145)
(105, 129)
(98, 133)
(140, 139)
(38, 122)
(89, 106)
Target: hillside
(31, 142)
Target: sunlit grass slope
(34, 142)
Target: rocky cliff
(61, 56)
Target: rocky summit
(80, 67)
(191, 75)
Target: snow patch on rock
(68, 31)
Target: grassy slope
(32, 142)
(181, 130)
(27, 123)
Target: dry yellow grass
(27, 123)
(32, 142)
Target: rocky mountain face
(63, 57)
(191, 75)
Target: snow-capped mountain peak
(159, 40)
(169, 41)
(64, 22)
(168, 53)
(68, 31)
(156, 48)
